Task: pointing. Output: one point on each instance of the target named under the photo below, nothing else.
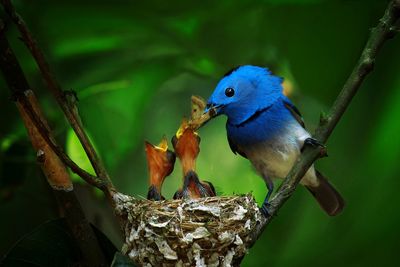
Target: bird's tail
(328, 198)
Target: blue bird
(266, 128)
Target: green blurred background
(135, 64)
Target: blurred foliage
(121, 260)
(52, 244)
(135, 64)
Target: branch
(59, 95)
(50, 163)
(19, 86)
(384, 31)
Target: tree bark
(51, 165)
(385, 30)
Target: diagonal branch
(59, 95)
(48, 155)
(19, 86)
(45, 133)
(384, 31)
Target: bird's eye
(229, 92)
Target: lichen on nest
(213, 231)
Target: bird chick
(193, 188)
(186, 145)
(160, 163)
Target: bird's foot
(178, 194)
(315, 143)
(265, 209)
(265, 206)
(153, 194)
(312, 142)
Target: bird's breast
(272, 159)
(275, 155)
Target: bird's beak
(163, 145)
(213, 109)
(182, 128)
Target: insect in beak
(213, 109)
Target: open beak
(163, 145)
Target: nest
(213, 231)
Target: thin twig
(379, 35)
(59, 94)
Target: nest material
(211, 231)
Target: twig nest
(212, 231)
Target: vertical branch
(51, 165)
(385, 30)
(59, 95)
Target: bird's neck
(247, 110)
(156, 179)
(263, 125)
(188, 164)
(254, 116)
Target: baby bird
(160, 162)
(186, 144)
(193, 188)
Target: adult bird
(266, 128)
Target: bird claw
(315, 143)
(265, 209)
(153, 194)
(312, 142)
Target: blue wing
(235, 149)
(277, 113)
(294, 111)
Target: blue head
(244, 91)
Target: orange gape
(160, 163)
(186, 145)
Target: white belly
(271, 159)
(275, 158)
